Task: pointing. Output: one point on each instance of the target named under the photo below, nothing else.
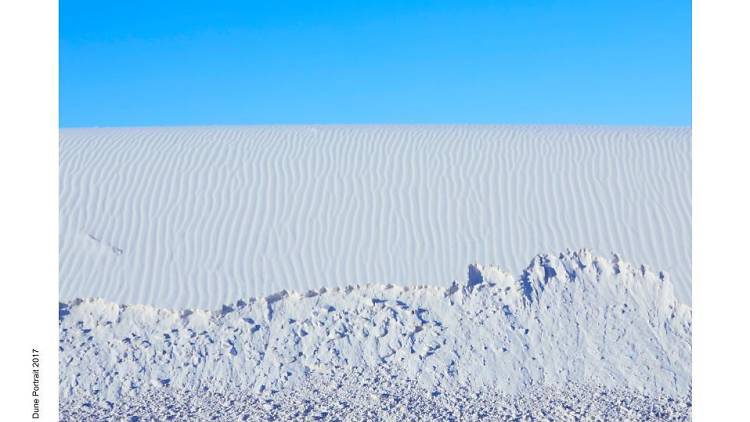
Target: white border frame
(28, 214)
(721, 209)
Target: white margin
(28, 206)
(721, 209)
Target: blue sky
(157, 63)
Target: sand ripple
(196, 217)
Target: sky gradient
(164, 63)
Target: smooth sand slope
(200, 217)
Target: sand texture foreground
(198, 217)
(494, 345)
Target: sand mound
(569, 318)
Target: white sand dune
(574, 318)
(198, 217)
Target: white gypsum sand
(197, 217)
(304, 273)
(576, 335)
(362, 396)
